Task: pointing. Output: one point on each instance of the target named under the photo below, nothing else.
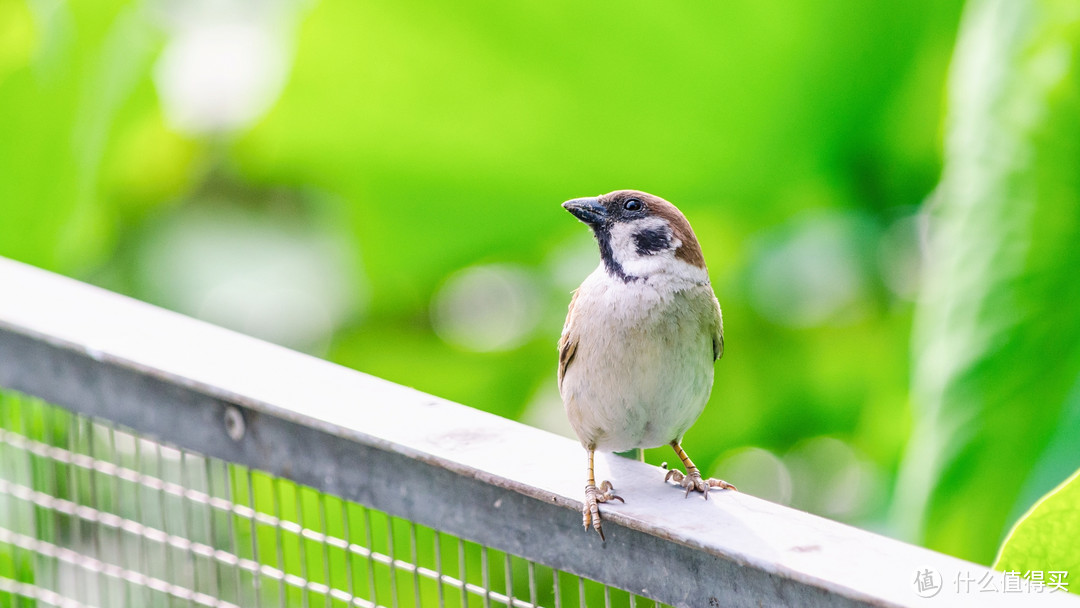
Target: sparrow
(641, 337)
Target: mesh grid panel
(93, 515)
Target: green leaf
(1045, 537)
(997, 337)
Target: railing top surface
(836, 558)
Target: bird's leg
(590, 513)
(692, 480)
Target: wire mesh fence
(92, 514)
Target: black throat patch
(652, 240)
(615, 269)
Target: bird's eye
(633, 205)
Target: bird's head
(640, 235)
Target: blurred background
(886, 194)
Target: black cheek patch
(651, 241)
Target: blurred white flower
(286, 281)
(224, 64)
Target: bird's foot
(693, 481)
(590, 513)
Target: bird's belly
(643, 389)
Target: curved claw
(590, 511)
(693, 481)
(608, 492)
(720, 483)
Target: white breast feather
(643, 368)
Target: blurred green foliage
(402, 156)
(997, 332)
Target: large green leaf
(1044, 540)
(997, 336)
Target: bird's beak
(588, 210)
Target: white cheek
(624, 248)
(660, 266)
(647, 266)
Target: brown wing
(568, 341)
(718, 335)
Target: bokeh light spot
(486, 308)
(756, 471)
(811, 272)
(831, 478)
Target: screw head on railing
(234, 423)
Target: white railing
(175, 390)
